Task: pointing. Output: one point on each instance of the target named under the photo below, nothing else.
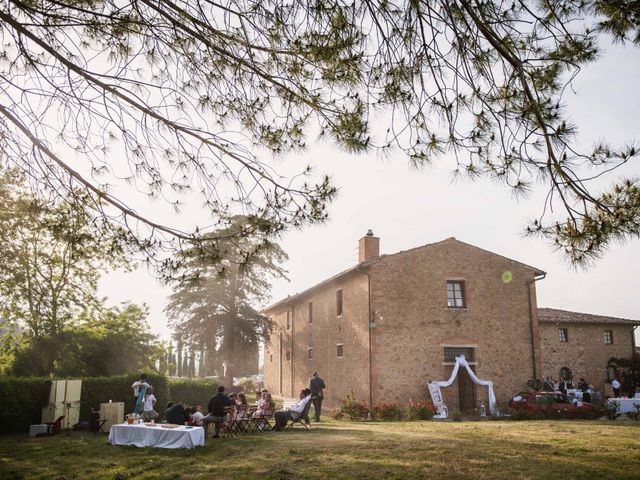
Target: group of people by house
(566, 385)
(232, 407)
(549, 384)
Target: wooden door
(466, 391)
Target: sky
(408, 208)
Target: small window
(340, 350)
(564, 334)
(339, 302)
(288, 356)
(608, 337)
(565, 373)
(455, 294)
(450, 353)
(288, 321)
(310, 312)
(310, 354)
(271, 358)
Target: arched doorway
(565, 373)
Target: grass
(402, 450)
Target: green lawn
(403, 450)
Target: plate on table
(169, 425)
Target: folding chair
(248, 424)
(96, 423)
(228, 426)
(243, 420)
(262, 424)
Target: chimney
(369, 247)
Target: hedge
(97, 390)
(192, 391)
(22, 398)
(21, 402)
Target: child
(149, 402)
(197, 416)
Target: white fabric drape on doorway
(461, 361)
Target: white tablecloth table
(145, 436)
(626, 404)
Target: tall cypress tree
(215, 304)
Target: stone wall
(323, 334)
(413, 323)
(585, 353)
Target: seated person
(282, 417)
(197, 416)
(266, 406)
(303, 393)
(216, 415)
(176, 413)
(241, 406)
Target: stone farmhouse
(388, 325)
(581, 344)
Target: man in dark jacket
(316, 385)
(216, 411)
(176, 413)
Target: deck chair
(302, 419)
(56, 427)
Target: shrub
(613, 409)
(21, 402)
(420, 410)
(336, 414)
(456, 416)
(192, 391)
(519, 415)
(352, 409)
(387, 412)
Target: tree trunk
(229, 340)
(201, 359)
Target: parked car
(554, 405)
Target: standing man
(216, 412)
(615, 384)
(316, 385)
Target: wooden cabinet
(112, 412)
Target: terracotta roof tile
(552, 315)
